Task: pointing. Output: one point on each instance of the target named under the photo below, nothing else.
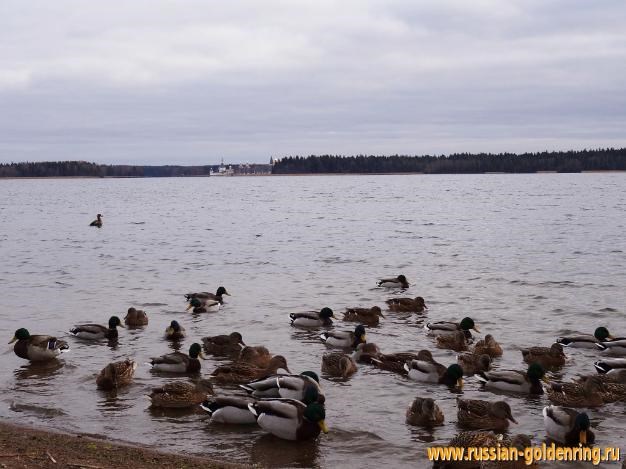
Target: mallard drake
(258, 356)
(204, 306)
(338, 364)
(433, 372)
(230, 410)
(174, 331)
(97, 222)
(407, 305)
(424, 412)
(455, 341)
(610, 365)
(398, 282)
(323, 318)
(290, 419)
(369, 316)
(614, 347)
(548, 357)
(239, 372)
(345, 339)
(476, 414)
(97, 331)
(365, 351)
(286, 386)
(587, 393)
(136, 318)
(489, 346)
(449, 327)
(202, 296)
(585, 340)
(567, 426)
(116, 374)
(394, 362)
(181, 394)
(37, 348)
(514, 381)
(178, 362)
(473, 363)
(227, 345)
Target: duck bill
(381, 314)
(582, 437)
(510, 417)
(189, 306)
(13, 339)
(545, 379)
(364, 338)
(202, 355)
(476, 329)
(286, 368)
(323, 426)
(610, 337)
(459, 383)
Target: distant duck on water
(37, 348)
(203, 296)
(323, 318)
(399, 282)
(97, 331)
(97, 222)
(601, 334)
(204, 306)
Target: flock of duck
(292, 406)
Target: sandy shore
(26, 447)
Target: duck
(407, 305)
(116, 374)
(223, 345)
(204, 306)
(585, 340)
(136, 318)
(229, 410)
(473, 363)
(548, 357)
(174, 331)
(614, 347)
(567, 426)
(610, 365)
(240, 373)
(476, 414)
(455, 341)
(365, 351)
(37, 348)
(587, 393)
(470, 439)
(345, 339)
(514, 381)
(285, 386)
(369, 316)
(394, 362)
(178, 362)
(424, 412)
(449, 327)
(519, 441)
(427, 372)
(323, 318)
(398, 282)
(488, 345)
(203, 296)
(97, 222)
(180, 394)
(290, 419)
(97, 331)
(257, 356)
(338, 364)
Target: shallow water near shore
(528, 257)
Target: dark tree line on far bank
(609, 159)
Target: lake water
(529, 257)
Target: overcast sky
(190, 82)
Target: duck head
(468, 323)
(114, 322)
(315, 412)
(20, 334)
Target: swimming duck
(365, 351)
(567, 426)
(290, 419)
(369, 316)
(585, 340)
(136, 318)
(97, 222)
(204, 306)
(203, 296)
(588, 393)
(455, 341)
(427, 372)
(469, 439)
(476, 414)
(37, 348)
(519, 441)
(449, 327)
(97, 331)
(178, 362)
(181, 394)
(116, 374)
(548, 357)
(240, 373)
(313, 318)
(338, 364)
(514, 381)
(225, 345)
(398, 282)
(610, 365)
(230, 410)
(424, 412)
(407, 305)
(614, 347)
(473, 363)
(174, 331)
(345, 339)
(258, 356)
(488, 345)
(286, 386)
(394, 362)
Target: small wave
(608, 310)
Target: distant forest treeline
(563, 161)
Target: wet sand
(28, 447)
